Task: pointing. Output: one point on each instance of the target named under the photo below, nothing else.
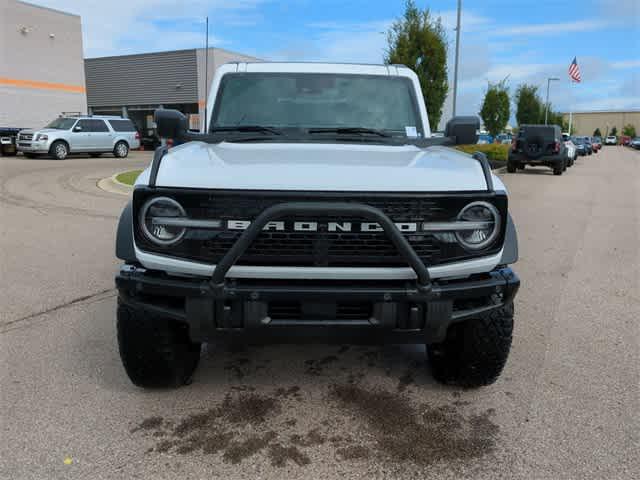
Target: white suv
(85, 134)
(316, 202)
(611, 140)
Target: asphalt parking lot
(566, 406)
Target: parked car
(625, 140)
(572, 151)
(538, 145)
(588, 145)
(274, 224)
(581, 145)
(635, 143)
(504, 139)
(8, 142)
(597, 143)
(485, 138)
(90, 134)
(611, 140)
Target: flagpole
(570, 111)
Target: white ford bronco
(316, 207)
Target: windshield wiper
(348, 130)
(247, 128)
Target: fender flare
(124, 236)
(510, 249)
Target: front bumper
(33, 147)
(392, 312)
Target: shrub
(496, 153)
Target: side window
(122, 125)
(98, 126)
(85, 125)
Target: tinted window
(303, 100)
(122, 125)
(93, 125)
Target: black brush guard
(415, 311)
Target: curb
(111, 185)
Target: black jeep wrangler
(538, 145)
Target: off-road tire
(511, 167)
(475, 351)
(59, 150)
(558, 171)
(156, 352)
(121, 150)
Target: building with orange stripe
(41, 64)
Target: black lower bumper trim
(270, 306)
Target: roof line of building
(164, 52)
(622, 110)
(48, 8)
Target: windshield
(318, 101)
(62, 123)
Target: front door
(81, 136)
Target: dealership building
(41, 65)
(585, 123)
(135, 85)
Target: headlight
(152, 214)
(41, 136)
(485, 225)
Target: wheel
(94, 155)
(475, 351)
(511, 167)
(521, 166)
(59, 150)
(155, 351)
(558, 171)
(564, 166)
(121, 150)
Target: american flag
(574, 71)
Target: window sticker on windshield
(412, 132)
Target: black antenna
(206, 76)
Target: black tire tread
(475, 351)
(156, 352)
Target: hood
(318, 167)
(40, 130)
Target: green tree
(629, 130)
(418, 41)
(614, 132)
(495, 110)
(529, 107)
(554, 118)
(597, 133)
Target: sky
(520, 40)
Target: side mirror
(77, 128)
(464, 129)
(170, 123)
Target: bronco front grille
(321, 248)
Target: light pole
(546, 109)
(455, 72)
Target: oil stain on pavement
(382, 424)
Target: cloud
(626, 64)
(609, 103)
(553, 28)
(126, 26)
